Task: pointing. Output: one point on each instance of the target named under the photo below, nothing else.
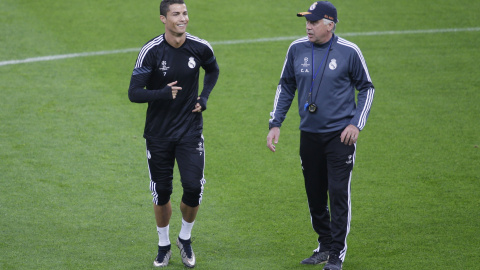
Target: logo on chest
(333, 64)
(191, 62)
(164, 68)
(305, 65)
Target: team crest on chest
(191, 62)
(333, 64)
(164, 68)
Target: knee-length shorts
(189, 152)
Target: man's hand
(198, 107)
(272, 138)
(349, 135)
(175, 89)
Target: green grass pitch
(73, 174)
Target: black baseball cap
(320, 10)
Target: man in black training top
(166, 76)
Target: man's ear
(163, 19)
(330, 27)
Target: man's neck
(326, 40)
(175, 41)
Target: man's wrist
(203, 102)
(270, 126)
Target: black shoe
(334, 263)
(163, 256)
(316, 258)
(188, 257)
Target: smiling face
(318, 32)
(176, 19)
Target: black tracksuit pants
(327, 167)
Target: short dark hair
(165, 5)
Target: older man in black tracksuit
(326, 70)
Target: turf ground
(73, 176)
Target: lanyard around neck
(318, 70)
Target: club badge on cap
(320, 10)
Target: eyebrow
(178, 12)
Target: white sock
(163, 237)
(186, 231)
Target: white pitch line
(241, 41)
